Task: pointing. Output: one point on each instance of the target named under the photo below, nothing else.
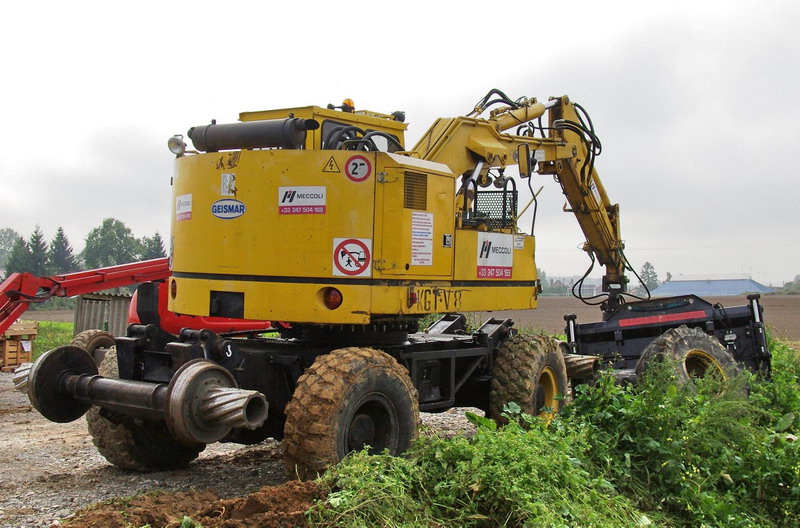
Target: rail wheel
(695, 353)
(349, 399)
(529, 371)
(141, 445)
(95, 342)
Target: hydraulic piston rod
(201, 404)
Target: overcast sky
(696, 104)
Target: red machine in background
(20, 290)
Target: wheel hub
(700, 364)
(362, 432)
(374, 423)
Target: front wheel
(529, 371)
(347, 400)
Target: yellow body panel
(262, 234)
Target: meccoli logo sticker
(227, 209)
(302, 200)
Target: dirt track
(51, 470)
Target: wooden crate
(16, 345)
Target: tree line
(109, 244)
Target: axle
(201, 404)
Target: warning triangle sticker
(331, 166)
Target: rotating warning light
(332, 298)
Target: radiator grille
(415, 191)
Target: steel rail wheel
(136, 444)
(347, 400)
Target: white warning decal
(227, 186)
(421, 239)
(302, 200)
(495, 255)
(352, 257)
(183, 207)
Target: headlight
(176, 145)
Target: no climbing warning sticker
(352, 257)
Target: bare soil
(52, 471)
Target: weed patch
(705, 454)
(524, 474)
(51, 335)
(715, 453)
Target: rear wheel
(349, 399)
(139, 445)
(695, 353)
(95, 342)
(529, 371)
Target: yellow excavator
(322, 218)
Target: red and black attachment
(620, 339)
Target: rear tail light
(332, 298)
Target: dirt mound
(270, 507)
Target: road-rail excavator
(321, 217)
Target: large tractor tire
(695, 354)
(349, 399)
(140, 446)
(95, 342)
(529, 371)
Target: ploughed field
(781, 313)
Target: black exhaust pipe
(271, 133)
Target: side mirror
(524, 161)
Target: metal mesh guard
(489, 207)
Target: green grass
(717, 453)
(51, 335)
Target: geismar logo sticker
(227, 209)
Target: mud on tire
(694, 352)
(530, 371)
(93, 341)
(348, 399)
(144, 446)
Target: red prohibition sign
(351, 257)
(358, 168)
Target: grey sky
(695, 103)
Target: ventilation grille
(415, 191)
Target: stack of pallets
(16, 344)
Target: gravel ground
(50, 470)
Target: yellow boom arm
(473, 145)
